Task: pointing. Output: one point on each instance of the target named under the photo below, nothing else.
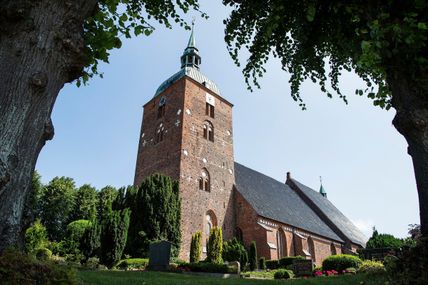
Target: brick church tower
(186, 133)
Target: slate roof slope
(339, 219)
(277, 201)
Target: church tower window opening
(160, 132)
(209, 110)
(204, 181)
(161, 108)
(208, 131)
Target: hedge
(341, 262)
(210, 267)
(283, 274)
(132, 263)
(286, 261)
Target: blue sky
(361, 157)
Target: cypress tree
(253, 256)
(156, 211)
(215, 246)
(196, 247)
(90, 244)
(113, 236)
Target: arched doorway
(210, 222)
(281, 242)
(239, 234)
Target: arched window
(239, 234)
(208, 131)
(311, 248)
(210, 222)
(204, 181)
(281, 242)
(160, 132)
(333, 249)
(161, 108)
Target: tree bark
(41, 49)
(410, 100)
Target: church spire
(322, 191)
(190, 57)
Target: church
(187, 134)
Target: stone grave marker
(159, 255)
(303, 267)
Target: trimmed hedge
(286, 261)
(262, 263)
(283, 274)
(341, 262)
(133, 263)
(210, 267)
(272, 264)
(372, 267)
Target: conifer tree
(156, 211)
(113, 236)
(90, 244)
(253, 256)
(196, 247)
(215, 246)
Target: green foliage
(19, 268)
(113, 236)
(272, 264)
(35, 236)
(318, 40)
(383, 240)
(215, 246)
(57, 204)
(156, 212)
(86, 203)
(210, 267)
(262, 263)
(283, 274)
(288, 260)
(234, 250)
(116, 19)
(106, 196)
(372, 267)
(196, 247)
(341, 262)
(133, 263)
(43, 254)
(74, 235)
(252, 256)
(90, 243)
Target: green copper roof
(322, 191)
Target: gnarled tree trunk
(410, 100)
(41, 48)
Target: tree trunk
(410, 99)
(41, 48)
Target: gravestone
(303, 267)
(159, 255)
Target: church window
(209, 110)
(161, 108)
(210, 222)
(281, 243)
(160, 132)
(208, 131)
(204, 181)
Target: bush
(43, 254)
(215, 246)
(210, 267)
(286, 261)
(234, 250)
(272, 264)
(19, 268)
(253, 256)
(36, 237)
(74, 234)
(92, 263)
(372, 267)
(262, 263)
(341, 262)
(283, 274)
(133, 263)
(196, 247)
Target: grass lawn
(161, 278)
